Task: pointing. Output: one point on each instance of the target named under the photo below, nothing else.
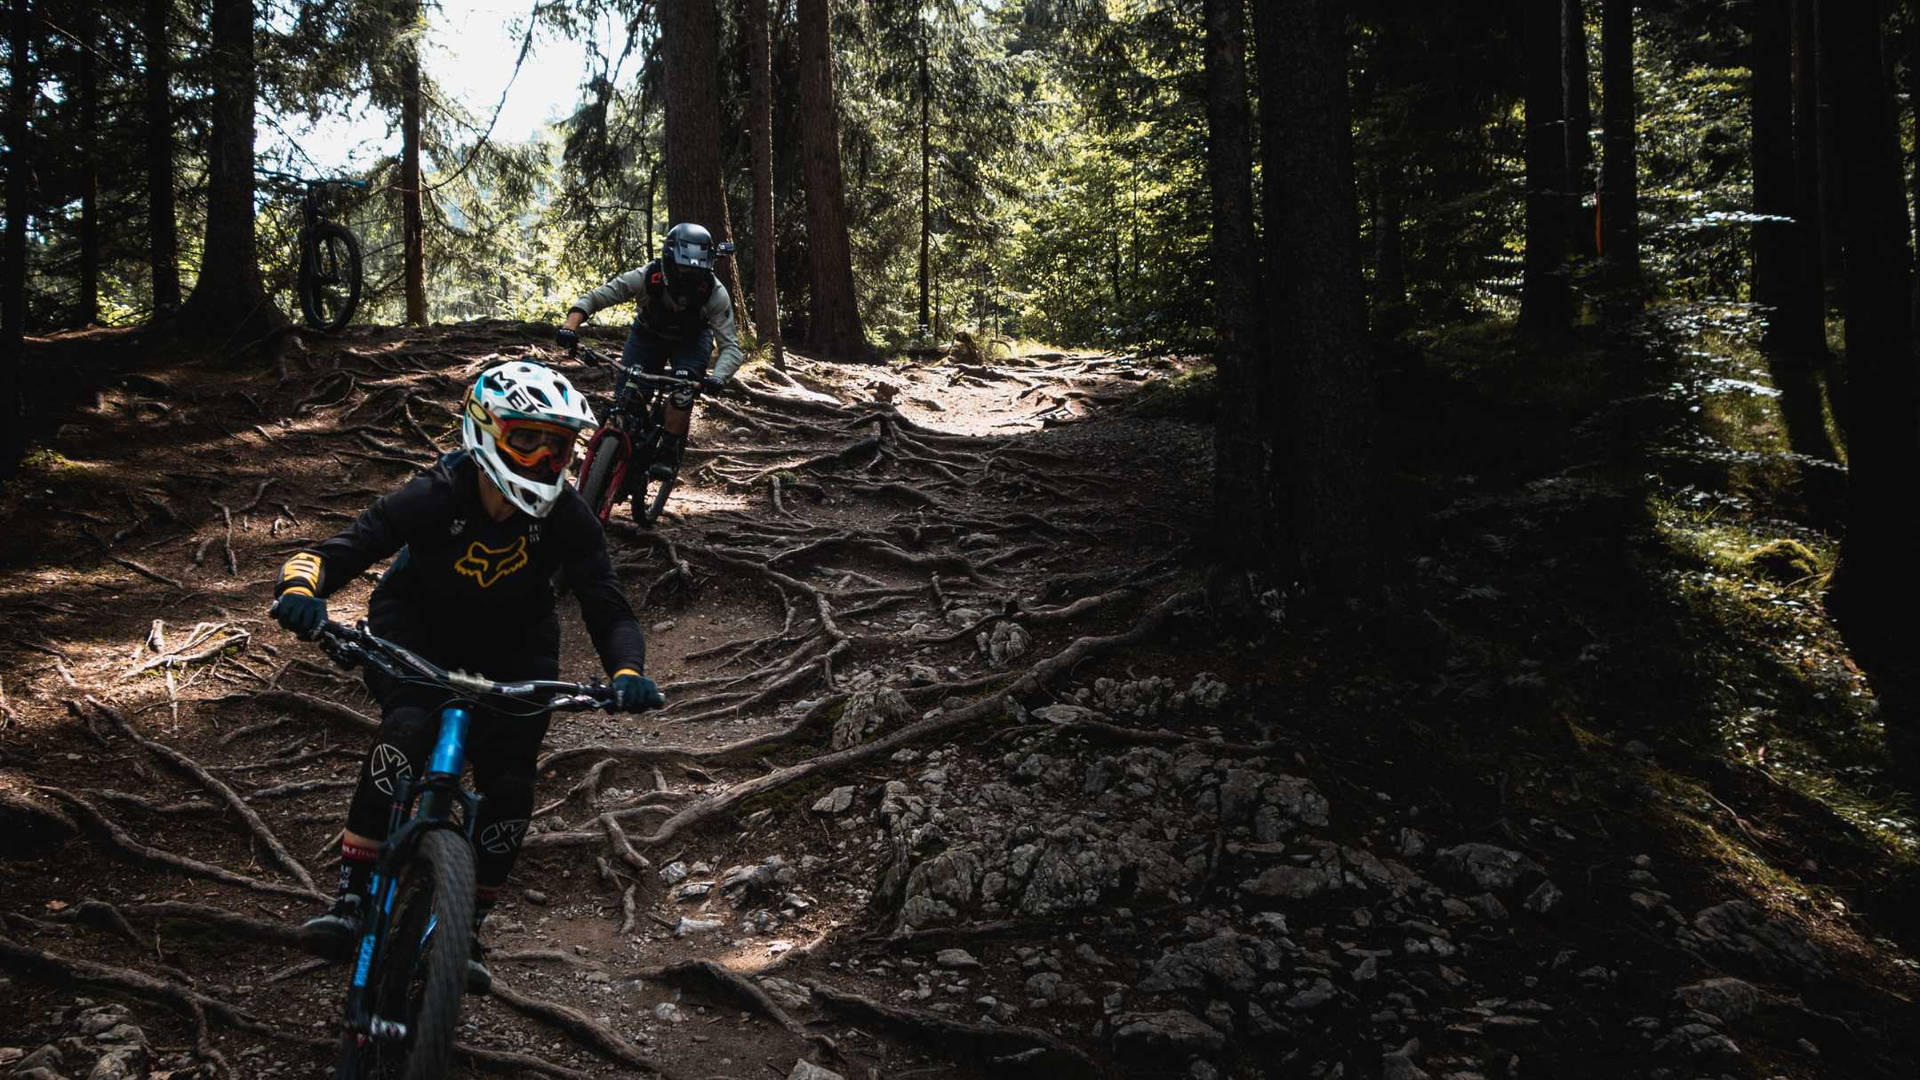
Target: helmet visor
(536, 449)
(684, 252)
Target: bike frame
(636, 421)
(418, 806)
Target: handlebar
(350, 646)
(599, 359)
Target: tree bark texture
(412, 224)
(24, 87)
(1875, 584)
(925, 82)
(1620, 168)
(1806, 308)
(1577, 90)
(834, 329)
(1546, 294)
(1313, 256)
(1243, 514)
(1776, 260)
(696, 192)
(87, 25)
(163, 237)
(766, 298)
(228, 302)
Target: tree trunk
(88, 33)
(926, 175)
(1805, 312)
(1874, 586)
(1776, 262)
(1243, 515)
(1577, 91)
(1827, 133)
(1390, 313)
(1546, 294)
(1313, 254)
(228, 303)
(163, 238)
(412, 226)
(1620, 168)
(766, 295)
(834, 329)
(21, 92)
(696, 191)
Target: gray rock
(955, 958)
(669, 1012)
(121, 1063)
(1298, 799)
(1214, 964)
(100, 1018)
(1399, 1064)
(1730, 999)
(941, 887)
(1697, 1041)
(1544, 898)
(36, 1073)
(1486, 867)
(535, 896)
(1008, 642)
(1313, 996)
(1065, 714)
(674, 872)
(1173, 1032)
(1740, 932)
(688, 926)
(787, 994)
(693, 890)
(1287, 883)
(1044, 986)
(837, 801)
(866, 712)
(47, 1057)
(807, 1070)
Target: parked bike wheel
(417, 981)
(330, 276)
(597, 486)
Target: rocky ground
(962, 775)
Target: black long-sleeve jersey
(472, 593)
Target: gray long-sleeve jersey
(718, 313)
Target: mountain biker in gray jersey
(684, 312)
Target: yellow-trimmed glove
(634, 692)
(299, 611)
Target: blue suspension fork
(435, 792)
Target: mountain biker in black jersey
(684, 312)
(480, 537)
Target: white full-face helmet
(520, 424)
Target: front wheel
(600, 487)
(330, 276)
(421, 969)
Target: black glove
(712, 383)
(299, 612)
(566, 339)
(636, 693)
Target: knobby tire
(331, 276)
(438, 882)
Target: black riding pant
(501, 749)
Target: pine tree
(163, 240)
(1619, 167)
(412, 225)
(1546, 294)
(23, 88)
(1577, 91)
(1313, 242)
(228, 302)
(1242, 513)
(690, 44)
(766, 300)
(834, 328)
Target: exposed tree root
(1036, 677)
(578, 1026)
(118, 840)
(1006, 1047)
(294, 699)
(207, 780)
(709, 977)
(228, 923)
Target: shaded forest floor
(961, 775)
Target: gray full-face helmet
(687, 261)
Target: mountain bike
(331, 273)
(622, 451)
(403, 1000)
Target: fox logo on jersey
(487, 565)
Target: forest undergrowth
(963, 776)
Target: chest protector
(658, 316)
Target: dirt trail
(856, 560)
(959, 777)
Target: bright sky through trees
(470, 50)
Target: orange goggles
(536, 449)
